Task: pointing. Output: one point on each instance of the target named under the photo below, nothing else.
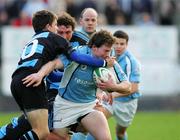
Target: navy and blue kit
(42, 48)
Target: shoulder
(80, 37)
(130, 57)
(57, 38)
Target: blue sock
(78, 136)
(3, 131)
(90, 137)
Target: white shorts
(66, 112)
(123, 112)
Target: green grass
(153, 126)
(146, 125)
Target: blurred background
(153, 27)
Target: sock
(124, 138)
(30, 135)
(78, 136)
(15, 129)
(90, 137)
(3, 131)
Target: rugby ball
(102, 75)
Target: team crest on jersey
(83, 67)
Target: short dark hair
(100, 38)
(66, 20)
(41, 19)
(121, 34)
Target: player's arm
(90, 60)
(35, 79)
(123, 87)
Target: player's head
(66, 25)
(88, 20)
(101, 43)
(44, 20)
(121, 41)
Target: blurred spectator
(126, 6)
(102, 19)
(111, 9)
(144, 19)
(15, 7)
(22, 20)
(33, 6)
(140, 7)
(143, 6)
(72, 9)
(3, 17)
(167, 10)
(120, 19)
(56, 5)
(88, 4)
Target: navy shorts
(28, 98)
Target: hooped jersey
(79, 39)
(43, 47)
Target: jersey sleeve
(135, 72)
(119, 73)
(55, 76)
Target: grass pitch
(146, 125)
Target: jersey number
(29, 49)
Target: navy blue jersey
(43, 47)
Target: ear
(47, 27)
(94, 48)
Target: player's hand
(107, 85)
(99, 96)
(33, 79)
(110, 61)
(108, 98)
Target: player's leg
(33, 102)
(96, 124)
(107, 111)
(17, 127)
(121, 133)
(124, 113)
(39, 122)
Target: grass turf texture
(146, 125)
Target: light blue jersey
(77, 83)
(131, 67)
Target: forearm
(49, 67)
(123, 87)
(118, 94)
